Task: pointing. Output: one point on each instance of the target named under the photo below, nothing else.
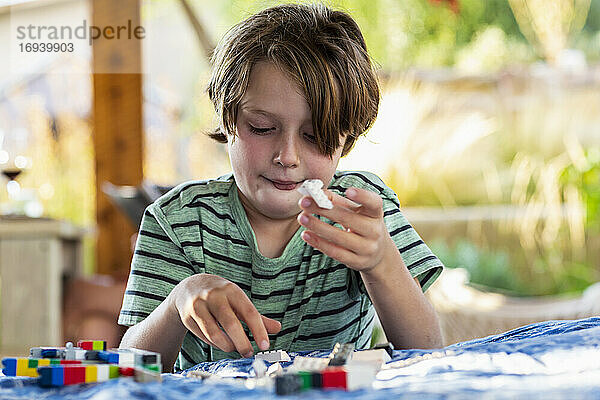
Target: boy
(245, 258)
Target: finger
(193, 327)
(348, 218)
(271, 325)
(346, 239)
(334, 251)
(246, 311)
(222, 311)
(211, 330)
(371, 203)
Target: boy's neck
(272, 235)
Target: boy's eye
(259, 131)
(310, 138)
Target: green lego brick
(32, 363)
(153, 367)
(306, 379)
(113, 371)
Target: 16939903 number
(44, 47)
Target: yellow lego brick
(91, 373)
(98, 345)
(42, 362)
(22, 366)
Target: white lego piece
(273, 356)
(360, 375)
(69, 351)
(79, 353)
(377, 357)
(309, 364)
(142, 357)
(275, 370)
(145, 375)
(260, 368)
(102, 372)
(312, 188)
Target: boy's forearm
(162, 331)
(408, 319)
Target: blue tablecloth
(552, 359)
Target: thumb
(271, 325)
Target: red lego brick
(74, 374)
(69, 362)
(334, 378)
(126, 371)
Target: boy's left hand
(365, 240)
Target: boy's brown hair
(321, 49)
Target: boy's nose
(287, 153)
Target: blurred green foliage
(495, 270)
(586, 178)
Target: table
(35, 256)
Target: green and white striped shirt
(201, 227)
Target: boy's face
(274, 151)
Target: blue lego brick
(52, 376)
(50, 353)
(10, 366)
(109, 357)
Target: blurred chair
(91, 305)
(133, 200)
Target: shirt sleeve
(418, 258)
(159, 263)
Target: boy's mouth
(283, 185)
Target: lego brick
(145, 357)
(341, 353)
(51, 353)
(153, 367)
(307, 379)
(288, 384)
(273, 356)
(334, 378)
(70, 362)
(126, 371)
(360, 375)
(310, 363)
(92, 355)
(377, 357)
(91, 373)
(51, 376)
(144, 375)
(46, 352)
(98, 345)
(122, 357)
(388, 347)
(113, 371)
(9, 366)
(23, 366)
(74, 374)
(102, 372)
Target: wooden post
(118, 129)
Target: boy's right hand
(211, 307)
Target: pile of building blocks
(90, 361)
(344, 369)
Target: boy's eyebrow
(267, 113)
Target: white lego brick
(310, 364)
(144, 375)
(275, 370)
(360, 375)
(376, 357)
(313, 188)
(102, 372)
(260, 368)
(273, 356)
